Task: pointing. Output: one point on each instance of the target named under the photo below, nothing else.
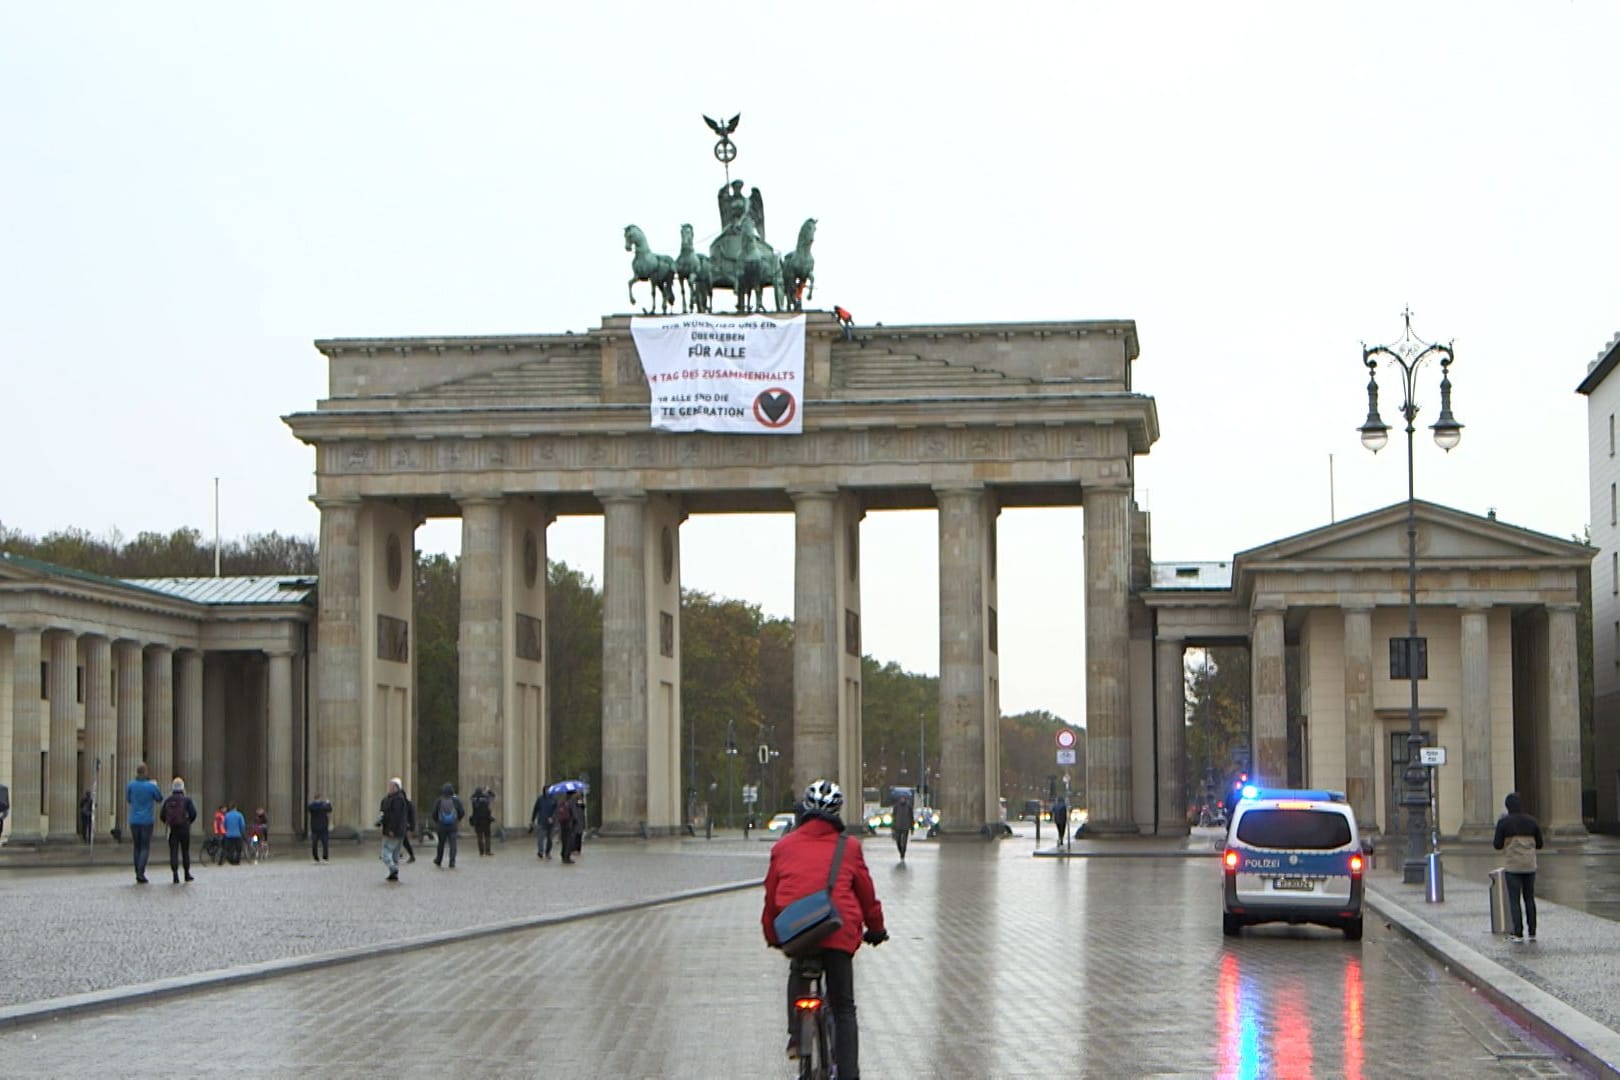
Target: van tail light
(1230, 859)
(1356, 863)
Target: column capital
(1106, 487)
(1475, 607)
(158, 647)
(1359, 607)
(335, 502)
(620, 496)
(812, 491)
(466, 501)
(965, 487)
(1171, 639)
(283, 653)
(1562, 607)
(1268, 605)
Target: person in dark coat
(5, 807)
(482, 817)
(87, 813)
(566, 818)
(800, 864)
(540, 819)
(320, 828)
(1518, 837)
(903, 819)
(447, 815)
(410, 827)
(178, 813)
(394, 819)
(1060, 818)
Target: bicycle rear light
(807, 1004)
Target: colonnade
(82, 710)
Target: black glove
(875, 937)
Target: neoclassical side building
(203, 678)
(1498, 616)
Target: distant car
(927, 819)
(880, 819)
(1295, 857)
(780, 825)
(1034, 811)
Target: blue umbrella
(563, 787)
(900, 793)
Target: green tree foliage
(181, 553)
(1029, 768)
(574, 671)
(720, 642)
(899, 723)
(438, 614)
(1217, 717)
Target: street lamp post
(1408, 355)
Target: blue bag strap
(838, 858)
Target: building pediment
(1444, 535)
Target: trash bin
(1500, 923)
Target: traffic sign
(750, 794)
(1065, 757)
(764, 755)
(1065, 740)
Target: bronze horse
(692, 270)
(657, 270)
(799, 268)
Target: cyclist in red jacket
(800, 863)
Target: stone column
(159, 715)
(1563, 722)
(1108, 686)
(188, 727)
(1171, 714)
(63, 798)
(100, 731)
(337, 707)
(131, 711)
(479, 730)
(815, 636)
(23, 822)
(1478, 804)
(963, 799)
(214, 726)
(284, 815)
(1360, 787)
(624, 664)
(1268, 672)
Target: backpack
(174, 812)
(565, 813)
(447, 813)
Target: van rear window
(1296, 830)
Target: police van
(1295, 857)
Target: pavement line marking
(14, 1016)
(1593, 1044)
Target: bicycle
(817, 1057)
(259, 848)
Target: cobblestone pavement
(1001, 965)
(71, 932)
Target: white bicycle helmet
(825, 796)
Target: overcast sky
(192, 193)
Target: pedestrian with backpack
(178, 813)
(447, 814)
(483, 817)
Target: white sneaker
(1516, 937)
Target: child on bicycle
(260, 833)
(800, 864)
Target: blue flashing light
(1250, 791)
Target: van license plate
(1295, 884)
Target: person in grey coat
(1518, 837)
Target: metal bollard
(1434, 880)
(1499, 901)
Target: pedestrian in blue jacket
(143, 797)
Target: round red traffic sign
(1065, 739)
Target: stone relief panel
(530, 635)
(393, 639)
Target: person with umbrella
(903, 819)
(569, 817)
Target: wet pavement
(1001, 965)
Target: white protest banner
(740, 375)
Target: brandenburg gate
(510, 432)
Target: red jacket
(800, 862)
